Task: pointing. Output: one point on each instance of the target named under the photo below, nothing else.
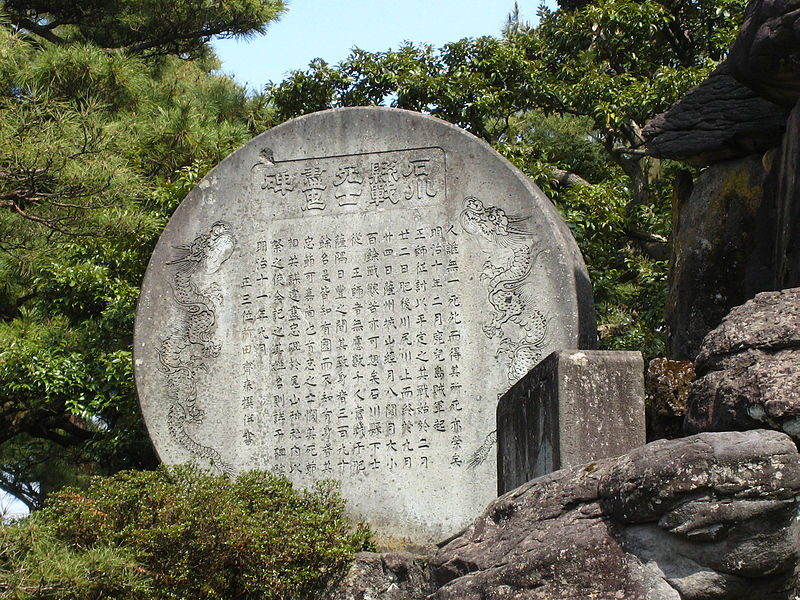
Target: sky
(329, 29)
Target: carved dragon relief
(185, 352)
(520, 327)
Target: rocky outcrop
(742, 107)
(749, 369)
(766, 53)
(737, 233)
(705, 517)
(712, 245)
(720, 119)
(389, 576)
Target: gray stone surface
(777, 264)
(749, 369)
(576, 406)
(766, 53)
(346, 296)
(387, 576)
(714, 244)
(708, 517)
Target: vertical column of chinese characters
(257, 334)
(417, 183)
(373, 344)
(358, 365)
(430, 275)
(247, 391)
(310, 364)
(391, 351)
(409, 354)
(425, 299)
(338, 322)
(383, 180)
(277, 355)
(326, 364)
(454, 322)
(404, 339)
(291, 333)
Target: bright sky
(328, 29)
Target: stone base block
(574, 407)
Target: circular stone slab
(346, 297)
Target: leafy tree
(101, 138)
(179, 533)
(150, 27)
(566, 101)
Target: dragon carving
(184, 352)
(508, 293)
(509, 296)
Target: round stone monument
(346, 296)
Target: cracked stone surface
(708, 517)
(748, 369)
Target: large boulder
(708, 517)
(748, 370)
(766, 53)
(712, 249)
(717, 120)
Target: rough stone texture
(388, 576)
(775, 263)
(749, 369)
(722, 258)
(713, 244)
(742, 107)
(766, 53)
(574, 407)
(717, 120)
(346, 296)
(708, 517)
(667, 383)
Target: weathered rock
(705, 517)
(667, 383)
(749, 368)
(717, 120)
(389, 576)
(712, 246)
(775, 264)
(766, 53)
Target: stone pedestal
(576, 406)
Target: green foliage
(623, 61)
(150, 27)
(629, 288)
(179, 533)
(35, 565)
(475, 84)
(96, 150)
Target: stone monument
(346, 296)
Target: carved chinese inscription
(352, 351)
(346, 297)
(357, 182)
